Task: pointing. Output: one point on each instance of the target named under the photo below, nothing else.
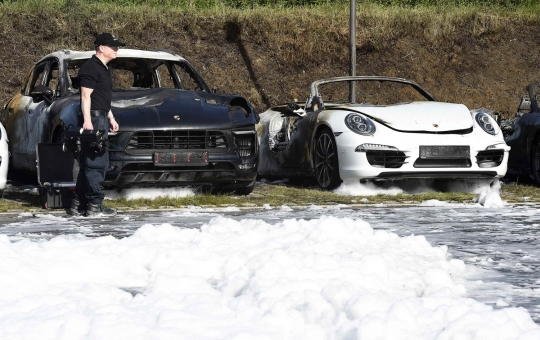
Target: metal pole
(352, 68)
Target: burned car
(173, 129)
(522, 133)
(396, 130)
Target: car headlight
(359, 124)
(487, 123)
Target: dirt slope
(272, 59)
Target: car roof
(122, 53)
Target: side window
(26, 82)
(187, 79)
(52, 79)
(165, 77)
(37, 77)
(73, 81)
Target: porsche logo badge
(436, 125)
(177, 117)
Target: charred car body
(400, 132)
(522, 133)
(173, 129)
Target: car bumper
(410, 164)
(225, 170)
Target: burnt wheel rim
(324, 160)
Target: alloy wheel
(325, 161)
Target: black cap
(107, 39)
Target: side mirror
(314, 103)
(525, 104)
(42, 92)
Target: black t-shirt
(95, 75)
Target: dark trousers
(93, 166)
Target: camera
(76, 136)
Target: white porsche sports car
(396, 130)
(4, 158)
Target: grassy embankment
(463, 51)
(278, 195)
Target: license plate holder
(445, 151)
(183, 158)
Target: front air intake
(386, 158)
(489, 158)
(245, 145)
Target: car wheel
(535, 161)
(245, 190)
(325, 160)
(11, 170)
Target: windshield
(132, 74)
(371, 92)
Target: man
(95, 84)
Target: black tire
(325, 160)
(205, 190)
(535, 161)
(11, 170)
(245, 190)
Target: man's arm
(114, 124)
(85, 107)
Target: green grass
(199, 4)
(520, 193)
(19, 202)
(278, 195)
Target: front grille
(386, 159)
(177, 139)
(245, 145)
(489, 158)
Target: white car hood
(420, 116)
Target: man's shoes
(99, 210)
(74, 208)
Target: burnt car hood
(174, 109)
(420, 116)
